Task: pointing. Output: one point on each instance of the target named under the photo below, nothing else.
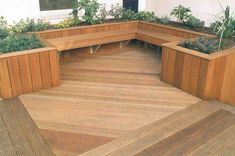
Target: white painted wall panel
(203, 9)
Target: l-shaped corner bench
(46, 62)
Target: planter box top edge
(26, 52)
(212, 56)
(83, 26)
(179, 29)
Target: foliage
(129, 15)
(202, 44)
(164, 20)
(4, 32)
(75, 9)
(181, 13)
(67, 23)
(116, 12)
(103, 13)
(194, 22)
(30, 25)
(90, 8)
(146, 16)
(224, 25)
(20, 43)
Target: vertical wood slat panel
(15, 76)
(219, 76)
(21, 74)
(179, 64)
(55, 71)
(209, 79)
(187, 69)
(45, 70)
(231, 90)
(170, 67)
(25, 73)
(6, 91)
(164, 63)
(202, 79)
(194, 76)
(35, 68)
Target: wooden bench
(87, 36)
(18, 133)
(86, 40)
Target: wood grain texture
(19, 135)
(28, 72)
(106, 95)
(192, 137)
(204, 77)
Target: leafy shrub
(164, 20)
(224, 24)
(103, 13)
(202, 44)
(194, 22)
(67, 23)
(20, 43)
(116, 12)
(90, 7)
(30, 25)
(129, 15)
(146, 16)
(4, 32)
(181, 13)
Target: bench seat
(156, 38)
(92, 39)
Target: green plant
(67, 23)
(103, 13)
(181, 13)
(90, 7)
(116, 12)
(164, 19)
(75, 9)
(19, 43)
(224, 25)
(129, 15)
(4, 32)
(202, 44)
(146, 16)
(194, 22)
(30, 25)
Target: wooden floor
(113, 103)
(19, 136)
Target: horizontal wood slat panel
(20, 74)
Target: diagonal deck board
(19, 134)
(107, 94)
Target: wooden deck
(113, 103)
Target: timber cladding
(28, 71)
(205, 76)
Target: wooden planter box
(202, 75)
(28, 71)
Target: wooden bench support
(94, 49)
(123, 44)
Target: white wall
(203, 9)
(14, 10)
(58, 15)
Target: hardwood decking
(113, 103)
(19, 136)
